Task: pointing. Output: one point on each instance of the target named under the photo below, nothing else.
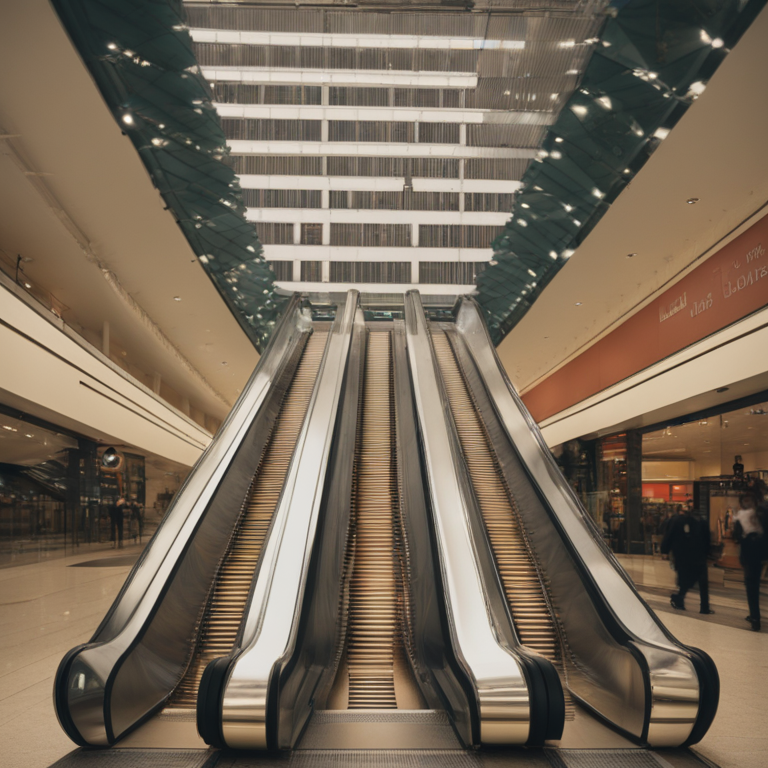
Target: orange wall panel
(727, 287)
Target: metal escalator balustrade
(520, 578)
(224, 613)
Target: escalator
(224, 613)
(185, 600)
(567, 596)
(378, 549)
(522, 580)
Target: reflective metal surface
(653, 662)
(500, 686)
(84, 695)
(270, 625)
(233, 581)
(522, 583)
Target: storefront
(632, 482)
(58, 492)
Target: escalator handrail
(498, 677)
(194, 494)
(271, 621)
(609, 581)
(136, 601)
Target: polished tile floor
(47, 608)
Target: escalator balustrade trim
(519, 576)
(224, 612)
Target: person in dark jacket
(687, 539)
(749, 531)
(116, 517)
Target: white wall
(50, 372)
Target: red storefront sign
(727, 287)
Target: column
(633, 515)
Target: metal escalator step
(224, 612)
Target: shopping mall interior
(383, 383)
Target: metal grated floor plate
(605, 758)
(422, 716)
(137, 758)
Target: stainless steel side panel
(270, 626)
(501, 690)
(91, 668)
(674, 683)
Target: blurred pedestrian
(116, 519)
(687, 540)
(749, 531)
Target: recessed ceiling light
(692, 200)
(631, 255)
(559, 139)
(578, 303)
(177, 298)
(224, 362)
(128, 119)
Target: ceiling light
(604, 101)
(697, 88)
(111, 46)
(579, 110)
(661, 133)
(567, 253)
(717, 43)
(631, 255)
(128, 119)
(568, 208)
(567, 43)
(28, 435)
(572, 72)
(553, 96)
(692, 200)
(522, 222)
(10, 429)
(507, 93)
(177, 298)
(524, 205)
(555, 155)
(596, 192)
(553, 254)
(705, 38)
(578, 303)
(531, 273)
(559, 139)
(27, 285)
(626, 170)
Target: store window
(632, 483)
(59, 493)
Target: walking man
(687, 539)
